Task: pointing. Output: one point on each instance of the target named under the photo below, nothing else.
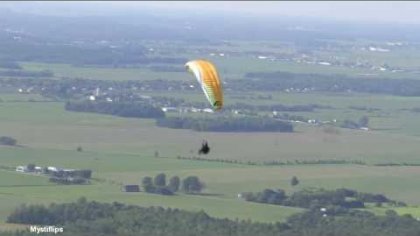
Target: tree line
(146, 110)
(226, 124)
(350, 124)
(317, 198)
(70, 177)
(158, 184)
(277, 107)
(275, 81)
(123, 109)
(94, 218)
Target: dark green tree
(31, 167)
(192, 184)
(294, 181)
(147, 184)
(160, 180)
(174, 183)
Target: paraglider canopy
(208, 78)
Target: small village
(58, 175)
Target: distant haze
(372, 11)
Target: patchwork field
(121, 151)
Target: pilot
(204, 148)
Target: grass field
(121, 150)
(230, 68)
(223, 182)
(98, 73)
(47, 125)
(30, 189)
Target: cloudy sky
(378, 11)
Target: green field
(223, 182)
(97, 73)
(121, 150)
(48, 126)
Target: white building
(324, 63)
(52, 168)
(21, 169)
(169, 109)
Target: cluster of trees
(317, 198)
(227, 124)
(6, 140)
(124, 109)
(158, 185)
(269, 196)
(94, 218)
(286, 116)
(349, 124)
(31, 167)
(274, 81)
(69, 177)
(364, 108)
(68, 180)
(354, 223)
(277, 107)
(83, 173)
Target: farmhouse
(52, 168)
(38, 169)
(131, 188)
(21, 169)
(208, 110)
